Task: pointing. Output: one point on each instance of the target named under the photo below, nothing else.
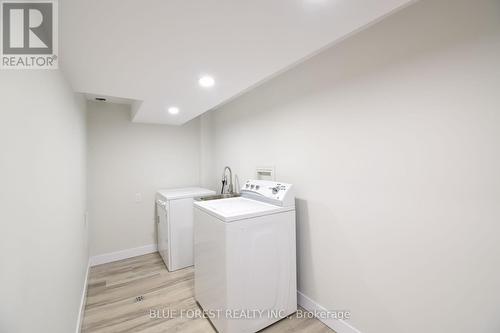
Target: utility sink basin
(219, 196)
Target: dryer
(244, 257)
(174, 218)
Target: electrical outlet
(138, 197)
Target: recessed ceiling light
(206, 81)
(173, 110)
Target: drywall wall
(126, 159)
(43, 246)
(391, 139)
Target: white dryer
(174, 217)
(244, 257)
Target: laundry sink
(219, 196)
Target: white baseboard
(120, 255)
(83, 300)
(338, 325)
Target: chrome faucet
(224, 181)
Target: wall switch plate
(138, 197)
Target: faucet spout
(225, 182)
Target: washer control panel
(275, 192)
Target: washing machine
(174, 218)
(245, 257)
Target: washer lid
(233, 209)
(185, 192)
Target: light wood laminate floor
(112, 304)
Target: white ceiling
(154, 51)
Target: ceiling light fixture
(173, 110)
(206, 81)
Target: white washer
(174, 209)
(244, 257)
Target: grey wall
(126, 158)
(391, 139)
(43, 246)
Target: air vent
(139, 299)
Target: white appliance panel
(181, 233)
(184, 192)
(245, 265)
(233, 209)
(163, 231)
(262, 259)
(175, 225)
(210, 263)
